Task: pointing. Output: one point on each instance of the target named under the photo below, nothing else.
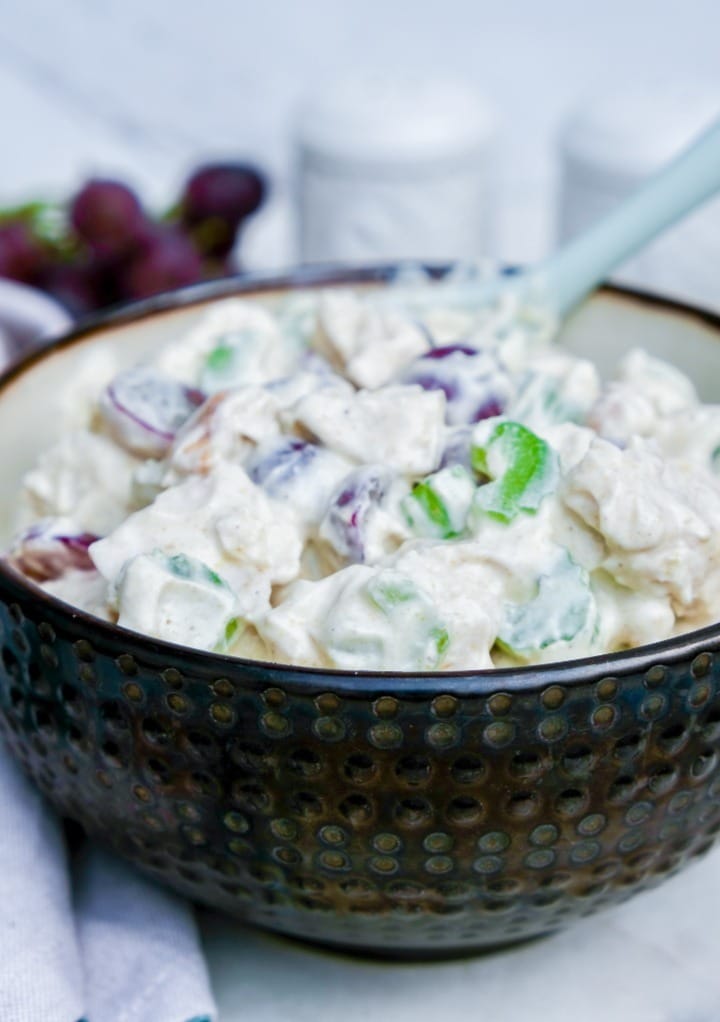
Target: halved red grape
(276, 464)
(475, 384)
(346, 519)
(144, 409)
(48, 550)
(299, 473)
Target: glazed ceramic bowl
(393, 813)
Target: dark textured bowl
(391, 813)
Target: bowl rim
(469, 682)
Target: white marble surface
(653, 959)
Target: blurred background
(380, 129)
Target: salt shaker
(392, 170)
(608, 148)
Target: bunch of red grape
(102, 247)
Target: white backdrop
(144, 87)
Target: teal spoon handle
(687, 181)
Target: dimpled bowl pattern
(399, 815)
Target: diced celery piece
(563, 608)
(528, 471)
(438, 506)
(221, 359)
(412, 615)
(227, 364)
(442, 640)
(297, 318)
(389, 589)
(233, 630)
(547, 398)
(715, 460)
(190, 568)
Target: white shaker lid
(629, 134)
(379, 123)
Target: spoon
(561, 281)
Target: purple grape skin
(22, 257)
(74, 286)
(195, 396)
(145, 409)
(43, 556)
(474, 384)
(488, 409)
(108, 216)
(428, 382)
(275, 468)
(449, 349)
(166, 260)
(80, 544)
(216, 199)
(348, 513)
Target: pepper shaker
(608, 148)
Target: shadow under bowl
(397, 814)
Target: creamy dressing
(352, 481)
